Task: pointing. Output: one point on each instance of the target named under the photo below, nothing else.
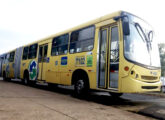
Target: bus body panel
(53, 75)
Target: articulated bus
(117, 53)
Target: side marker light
(126, 68)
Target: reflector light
(126, 68)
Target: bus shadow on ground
(103, 98)
(97, 97)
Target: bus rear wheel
(81, 87)
(4, 76)
(26, 80)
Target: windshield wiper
(141, 32)
(143, 36)
(150, 38)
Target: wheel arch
(80, 73)
(26, 73)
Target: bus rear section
(11, 64)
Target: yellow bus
(117, 53)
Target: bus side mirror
(125, 22)
(126, 30)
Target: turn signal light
(126, 68)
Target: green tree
(162, 57)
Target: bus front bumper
(130, 85)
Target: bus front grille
(149, 77)
(149, 87)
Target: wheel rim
(79, 86)
(26, 80)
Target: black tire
(25, 81)
(116, 95)
(4, 76)
(81, 87)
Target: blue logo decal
(64, 60)
(33, 70)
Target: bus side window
(82, 40)
(32, 51)
(7, 57)
(40, 54)
(11, 58)
(60, 45)
(25, 53)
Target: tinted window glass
(114, 45)
(5, 56)
(45, 50)
(82, 40)
(60, 45)
(11, 58)
(40, 54)
(25, 53)
(32, 51)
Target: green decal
(89, 61)
(33, 74)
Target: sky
(25, 21)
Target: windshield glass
(138, 46)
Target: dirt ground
(20, 102)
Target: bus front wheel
(81, 87)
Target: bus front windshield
(138, 46)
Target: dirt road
(19, 102)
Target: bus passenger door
(103, 58)
(113, 58)
(109, 58)
(42, 61)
